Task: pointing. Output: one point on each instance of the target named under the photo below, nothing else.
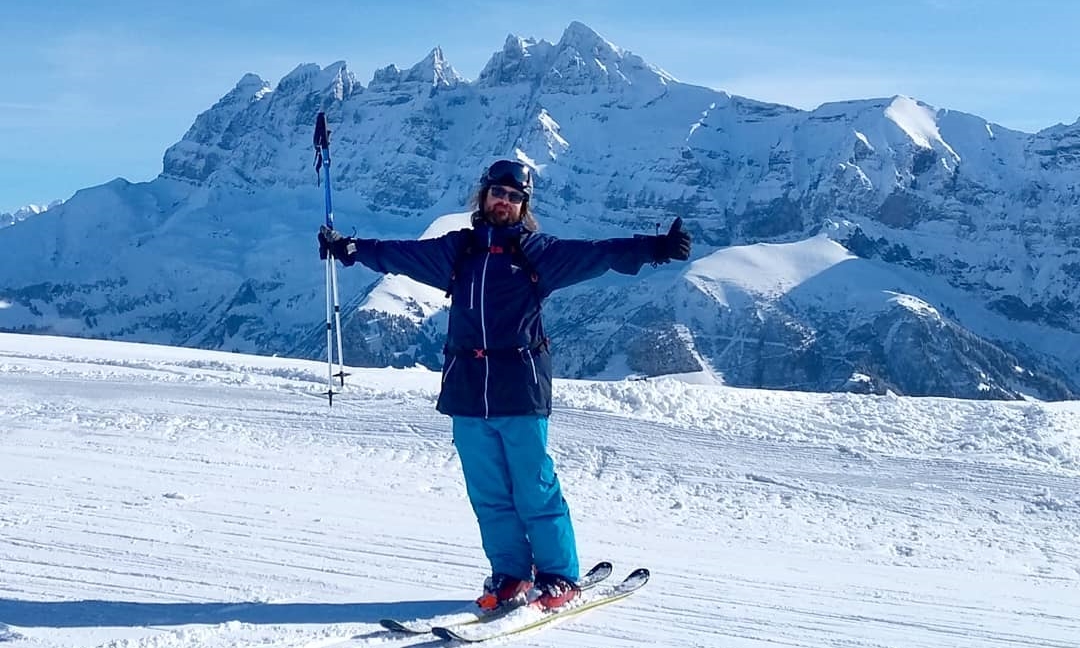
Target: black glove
(332, 243)
(673, 245)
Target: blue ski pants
(515, 493)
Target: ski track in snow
(166, 498)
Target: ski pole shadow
(93, 613)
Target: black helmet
(509, 173)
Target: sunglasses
(514, 197)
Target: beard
(502, 214)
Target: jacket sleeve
(429, 261)
(565, 262)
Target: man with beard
(496, 377)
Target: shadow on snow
(85, 614)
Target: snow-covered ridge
(919, 121)
(1023, 433)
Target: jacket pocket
(532, 365)
(446, 371)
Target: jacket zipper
(483, 327)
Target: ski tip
(603, 568)
(398, 626)
(599, 572)
(446, 634)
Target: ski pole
(333, 305)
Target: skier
(496, 377)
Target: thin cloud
(10, 105)
(89, 56)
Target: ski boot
(554, 591)
(501, 590)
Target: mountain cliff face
(873, 245)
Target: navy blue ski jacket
(497, 358)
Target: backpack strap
(467, 248)
(519, 253)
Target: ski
(530, 617)
(472, 613)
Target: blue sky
(94, 91)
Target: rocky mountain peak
(433, 71)
(521, 60)
(584, 62)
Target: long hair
(528, 219)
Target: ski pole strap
(511, 352)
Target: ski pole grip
(322, 134)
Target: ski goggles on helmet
(509, 173)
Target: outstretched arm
(564, 262)
(429, 261)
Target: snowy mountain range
(869, 245)
(22, 213)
